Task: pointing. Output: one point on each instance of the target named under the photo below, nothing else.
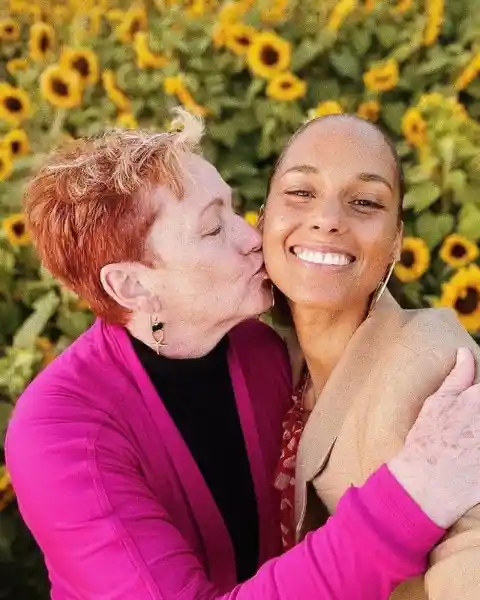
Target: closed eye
(215, 231)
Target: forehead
(202, 181)
(349, 145)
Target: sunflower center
(407, 258)
(59, 87)
(81, 65)
(44, 42)
(468, 303)
(135, 26)
(13, 104)
(18, 229)
(458, 251)
(269, 56)
(9, 29)
(15, 146)
(243, 40)
(286, 85)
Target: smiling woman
(359, 192)
(332, 232)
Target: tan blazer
(395, 360)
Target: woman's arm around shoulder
(105, 534)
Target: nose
(327, 216)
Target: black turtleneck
(199, 397)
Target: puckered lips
(323, 255)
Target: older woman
(143, 458)
(332, 233)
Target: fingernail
(462, 355)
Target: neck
(323, 336)
(182, 341)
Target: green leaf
(5, 412)
(305, 53)
(32, 327)
(469, 222)
(467, 195)
(456, 180)
(362, 40)
(387, 35)
(346, 63)
(392, 114)
(421, 196)
(434, 228)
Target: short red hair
(86, 206)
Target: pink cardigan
(120, 510)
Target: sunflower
(403, 5)
(219, 35)
(115, 15)
(114, 93)
(286, 87)
(232, 12)
(414, 260)
(174, 86)
(9, 30)
(126, 121)
(61, 87)
(435, 100)
(458, 251)
(268, 55)
(382, 77)
(146, 59)
(17, 143)
(340, 12)
(196, 8)
(17, 64)
(251, 217)
(15, 230)
(414, 128)
(369, 110)
(6, 164)
(469, 74)
(328, 107)
(434, 13)
(82, 60)
(462, 293)
(239, 37)
(7, 493)
(14, 104)
(134, 21)
(41, 41)
(277, 11)
(47, 350)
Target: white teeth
(323, 258)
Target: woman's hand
(439, 465)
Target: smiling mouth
(334, 259)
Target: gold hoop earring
(382, 286)
(156, 327)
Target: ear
(398, 243)
(124, 282)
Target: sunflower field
(256, 70)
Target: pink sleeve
(104, 534)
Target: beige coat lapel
(363, 352)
